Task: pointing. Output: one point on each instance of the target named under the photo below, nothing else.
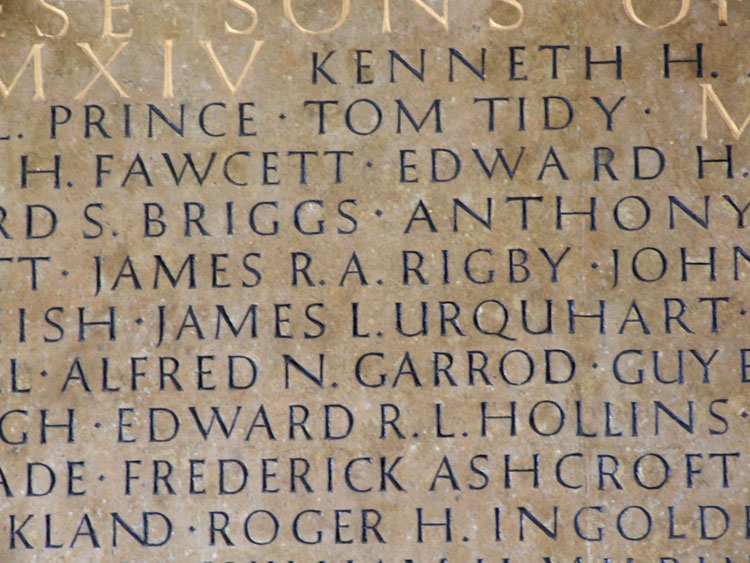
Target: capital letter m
(35, 58)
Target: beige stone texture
(641, 457)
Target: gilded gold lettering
(35, 59)
(443, 19)
(244, 6)
(86, 48)
(630, 11)
(59, 12)
(517, 5)
(709, 94)
(223, 73)
(723, 13)
(289, 13)
(109, 28)
(168, 91)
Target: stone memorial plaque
(374, 281)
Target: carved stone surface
(400, 280)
